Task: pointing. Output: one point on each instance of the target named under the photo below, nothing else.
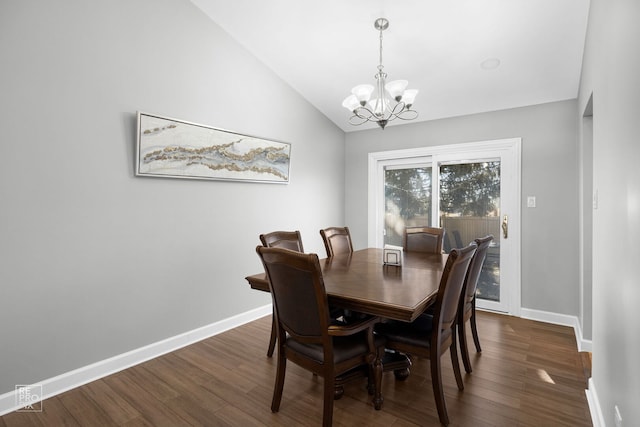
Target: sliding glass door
(470, 208)
(469, 192)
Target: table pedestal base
(398, 363)
(391, 361)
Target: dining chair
(467, 308)
(307, 336)
(283, 239)
(457, 238)
(446, 243)
(423, 239)
(280, 239)
(430, 336)
(337, 240)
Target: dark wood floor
(529, 374)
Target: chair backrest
(423, 239)
(457, 238)
(451, 283)
(447, 243)
(298, 292)
(471, 282)
(283, 239)
(337, 240)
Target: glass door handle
(505, 226)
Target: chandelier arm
(413, 114)
(368, 115)
(400, 107)
(360, 120)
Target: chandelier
(392, 100)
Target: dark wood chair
(467, 308)
(280, 239)
(337, 240)
(447, 243)
(283, 239)
(306, 334)
(423, 239)
(430, 336)
(457, 238)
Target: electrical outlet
(617, 417)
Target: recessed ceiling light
(490, 64)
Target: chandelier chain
(380, 66)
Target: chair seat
(344, 348)
(417, 333)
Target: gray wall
(611, 69)
(550, 281)
(95, 262)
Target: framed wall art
(174, 148)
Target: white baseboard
(583, 344)
(95, 371)
(594, 405)
(559, 319)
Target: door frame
(510, 149)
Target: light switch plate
(531, 201)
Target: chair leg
(377, 379)
(329, 388)
(454, 360)
(438, 392)
(272, 339)
(464, 349)
(277, 389)
(474, 328)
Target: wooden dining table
(361, 282)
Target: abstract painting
(179, 149)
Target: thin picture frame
(174, 148)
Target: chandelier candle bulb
(362, 93)
(392, 100)
(396, 89)
(409, 96)
(351, 103)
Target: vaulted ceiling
(324, 48)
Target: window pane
(407, 201)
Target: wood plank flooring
(529, 374)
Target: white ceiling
(324, 48)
